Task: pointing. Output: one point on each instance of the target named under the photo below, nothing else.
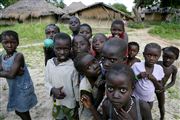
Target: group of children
(91, 78)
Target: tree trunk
(137, 15)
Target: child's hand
(124, 115)
(142, 75)
(151, 77)
(21, 71)
(57, 92)
(86, 101)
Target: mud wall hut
(25, 11)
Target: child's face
(110, 56)
(151, 56)
(50, 32)
(9, 44)
(62, 49)
(90, 66)
(98, 43)
(74, 24)
(118, 89)
(116, 30)
(132, 51)
(80, 45)
(85, 31)
(168, 58)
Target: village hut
(30, 11)
(100, 13)
(74, 6)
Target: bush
(138, 25)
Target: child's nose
(117, 94)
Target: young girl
(170, 54)
(86, 31)
(50, 31)
(12, 67)
(74, 25)
(133, 49)
(119, 105)
(91, 85)
(148, 74)
(118, 30)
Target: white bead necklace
(130, 107)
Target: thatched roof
(30, 8)
(101, 4)
(74, 6)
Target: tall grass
(169, 31)
(31, 33)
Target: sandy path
(43, 109)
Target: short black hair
(118, 22)
(152, 45)
(52, 25)
(75, 18)
(77, 61)
(100, 34)
(10, 33)
(117, 42)
(119, 68)
(62, 36)
(82, 37)
(87, 25)
(173, 49)
(133, 43)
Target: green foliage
(57, 3)
(31, 33)
(170, 31)
(121, 7)
(137, 25)
(173, 93)
(6, 3)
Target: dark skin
(117, 29)
(74, 25)
(48, 52)
(132, 52)
(80, 44)
(111, 55)
(97, 45)
(119, 90)
(10, 44)
(169, 69)
(85, 31)
(62, 51)
(91, 69)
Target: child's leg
(161, 101)
(24, 115)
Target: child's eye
(113, 60)
(110, 89)
(123, 90)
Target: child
(133, 49)
(86, 31)
(91, 85)
(148, 74)
(13, 67)
(50, 31)
(97, 44)
(80, 44)
(118, 30)
(74, 25)
(61, 79)
(119, 105)
(113, 52)
(170, 54)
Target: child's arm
(145, 110)
(16, 67)
(173, 78)
(85, 99)
(157, 83)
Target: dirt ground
(42, 111)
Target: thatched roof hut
(30, 10)
(74, 6)
(100, 12)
